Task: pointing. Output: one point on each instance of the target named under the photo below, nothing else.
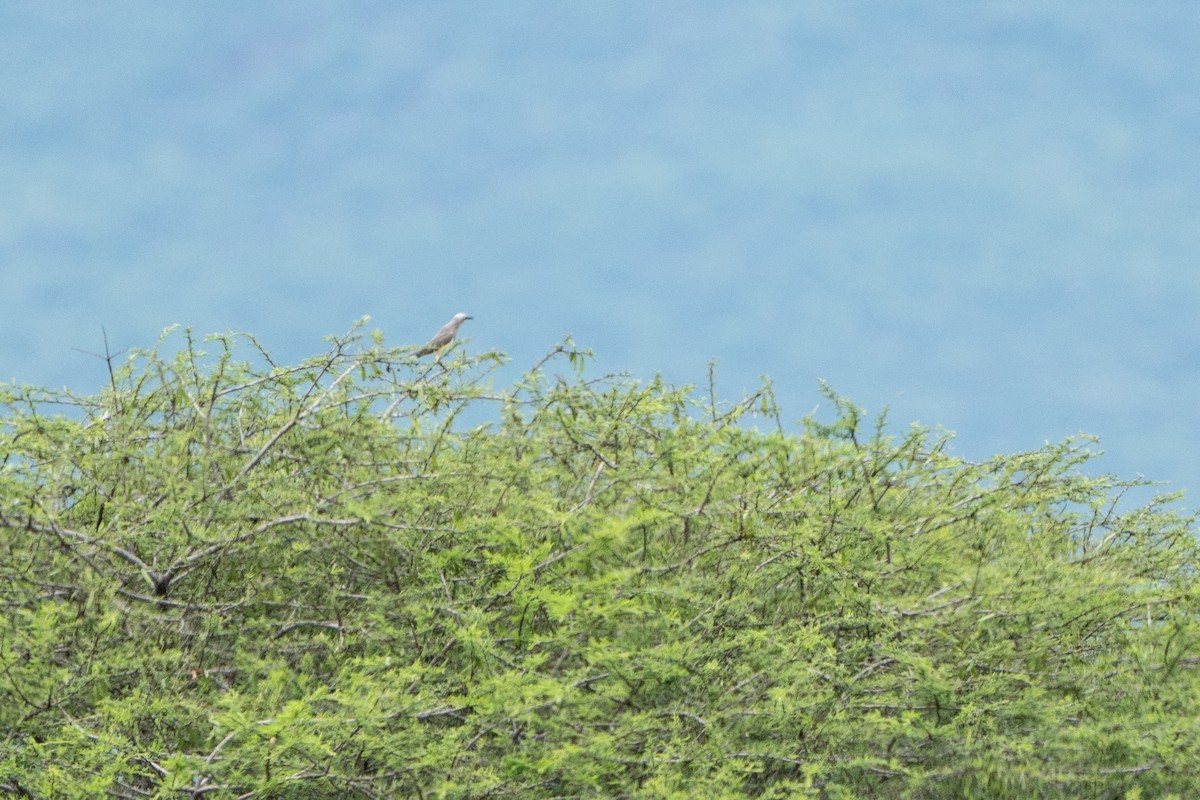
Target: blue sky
(981, 215)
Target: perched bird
(445, 336)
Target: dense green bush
(224, 577)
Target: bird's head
(462, 317)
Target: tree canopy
(370, 576)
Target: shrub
(223, 576)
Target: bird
(444, 336)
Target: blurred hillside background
(982, 215)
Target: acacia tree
(228, 577)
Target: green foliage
(224, 577)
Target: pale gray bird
(445, 336)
